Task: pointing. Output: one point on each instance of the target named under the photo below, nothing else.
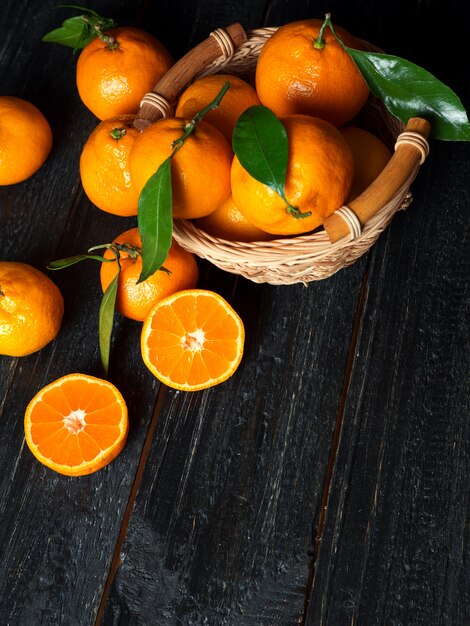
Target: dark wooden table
(326, 483)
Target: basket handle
(157, 103)
(411, 149)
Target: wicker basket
(349, 233)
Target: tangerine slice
(192, 340)
(77, 424)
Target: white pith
(74, 422)
(193, 341)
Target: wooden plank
(223, 523)
(58, 534)
(395, 544)
(222, 526)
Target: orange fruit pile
(302, 71)
(191, 338)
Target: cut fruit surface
(77, 424)
(192, 340)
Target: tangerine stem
(318, 43)
(296, 212)
(118, 133)
(189, 128)
(330, 24)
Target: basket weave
(307, 257)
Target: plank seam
(336, 435)
(116, 560)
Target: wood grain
(58, 534)
(395, 545)
(221, 530)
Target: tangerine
(25, 140)
(134, 300)
(318, 178)
(31, 309)
(77, 424)
(114, 73)
(200, 169)
(104, 166)
(199, 94)
(299, 72)
(192, 340)
(370, 156)
(227, 222)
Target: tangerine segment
(77, 424)
(192, 340)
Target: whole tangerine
(135, 300)
(228, 222)
(319, 173)
(370, 156)
(199, 94)
(104, 166)
(25, 140)
(299, 73)
(31, 309)
(200, 169)
(114, 74)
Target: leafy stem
(108, 302)
(408, 90)
(154, 213)
(261, 145)
(318, 43)
(191, 126)
(77, 32)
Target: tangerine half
(77, 424)
(192, 340)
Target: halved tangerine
(77, 424)
(192, 340)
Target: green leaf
(77, 32)
(155, 220)
(72, 260)
(408, 90)
(260, 143)
(106, 318)
(74, 33)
